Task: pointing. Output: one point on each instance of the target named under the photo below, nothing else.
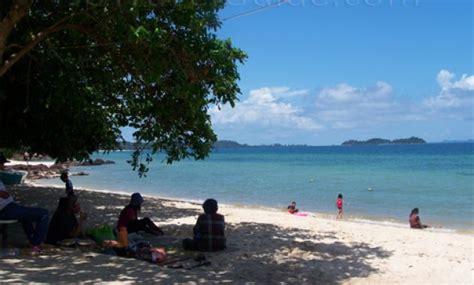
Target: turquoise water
(437, 178)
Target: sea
(379, 183)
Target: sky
(320, 72)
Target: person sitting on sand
(339, 204)
(292, 208)
(64, 224)
(128, 218)
(34, 220)
(65, 178)
(208, 231)
(414, 220)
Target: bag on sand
(144, 251)
(101, 233)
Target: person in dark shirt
(209, 230)
(64, 224)
(69, 189)
(129, 218)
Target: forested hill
(412, 140)
(218, 144)
(228, 144)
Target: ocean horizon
(380, 183)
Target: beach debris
(369, 189)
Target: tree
(72, 73)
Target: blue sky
(323, 71)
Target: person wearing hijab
(64, 224)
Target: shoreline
(396, 191)
(320, 215)
(265, 246)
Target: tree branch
(15, 17)
(18, 9)
(63, 24)
(58, 26)
(13, 58)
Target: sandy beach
(266, 246)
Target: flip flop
(36, 250)
(85, 242)
(175, 266)
(171, 261)
(67, 242)
(200, 257)
(205, 263)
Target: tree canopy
(72, 73)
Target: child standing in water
(339, 204)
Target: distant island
(124, 145)
(228, 144)
(234, 144)
(376, 141)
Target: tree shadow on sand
(108, 204)
(260, 253)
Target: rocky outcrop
(97, 161)
(42, 171)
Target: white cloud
(344, 93)
(445, 77)
(279, 114)
(345, 106)
(456, 98)
(264, 107)
(279, 92)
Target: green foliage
(153, 67)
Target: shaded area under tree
(261, 253)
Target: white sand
(265, 247)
